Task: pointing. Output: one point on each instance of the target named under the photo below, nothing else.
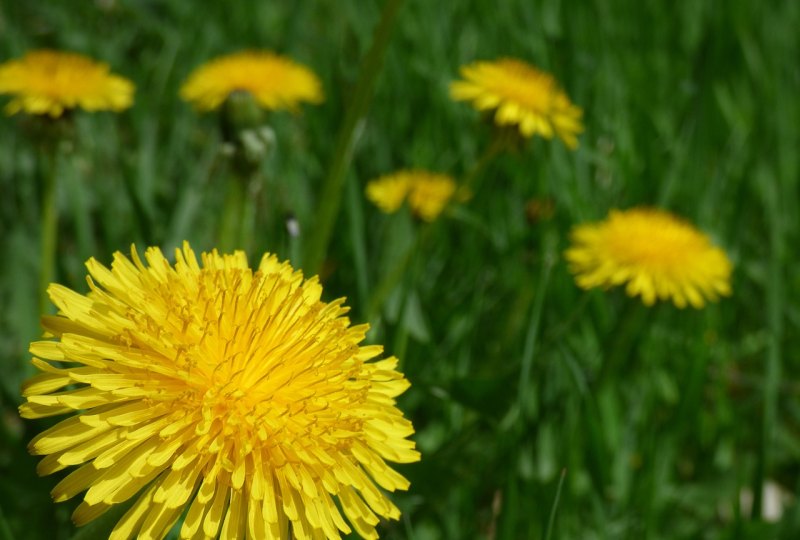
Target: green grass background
(661, 418)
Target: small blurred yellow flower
(658, 255)
(520, 95)
(388, 192)
(233, 396)
(276, 82)
(427, 193)
(49, 82)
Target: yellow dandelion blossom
(276, 82)
(430, 193)
(427, 193)
(235, 395)
(520, 95)
(49, 82)
(658, 255)
(389, 192)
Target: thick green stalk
(248, 224)
(331, 195)
(230, 229)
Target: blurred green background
(666, 422)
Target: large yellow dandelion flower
(236, 395)
(49, 82)
(520, 95)
(276, 82)
(427, 193)
(658, 255)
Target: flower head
(658, 255)
(276, 82)
(237, 394)
(520, 95)
(427, 193)
(48, 82)
(389, 192)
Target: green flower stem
(49, 224)
(357, 228)
(408, 268)
(331, 194)
(230, 231)
(494, 149)
(549, 258)
(390, 280)
(400, 345)
(631, 324)
(248, 225)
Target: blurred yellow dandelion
(389, 192)
(520, 95)
(276, 82)
(658, 255)
(427, 193)
(234, 394)
(49, 82)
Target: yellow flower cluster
(46, 82)
(427, 193)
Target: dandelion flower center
(659, 247)
(515, 80)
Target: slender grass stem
(49, 224)
(409, 265)
(552, 519)
(390, 280)
(358, 239)
(494, 149)
(532, 334)
(772, 367)
(81, 213)
(331, 194)
(631, 324)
